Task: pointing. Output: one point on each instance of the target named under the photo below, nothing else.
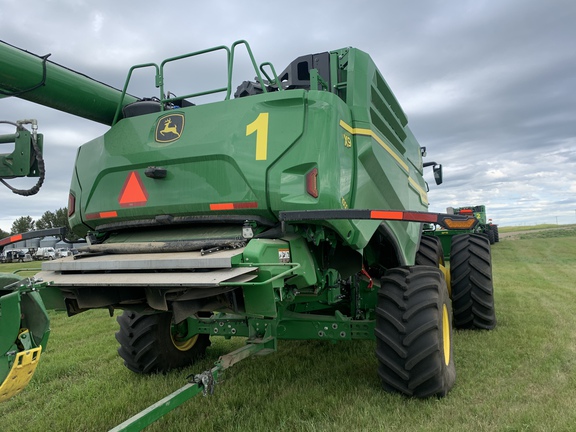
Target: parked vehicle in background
(12, 256)
(45, 253)
(63, 252)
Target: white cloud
(97, 22)
(486, 85)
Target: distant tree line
(55, 219)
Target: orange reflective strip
(102, 215)
(11, 239)
(108, 214)
(386, 215)
(223, 206)
(234, 206)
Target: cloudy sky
(489, 87)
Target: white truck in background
(45, 253)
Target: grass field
(519, 377)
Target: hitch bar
(200, 383)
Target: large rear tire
(430, 251)
(491, 237)
(414, 332)
(471, 278)
(496, 233)
(150, 343)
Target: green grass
(507, 229)
(519, 377)
(21, 268)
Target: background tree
(22, 224)
(3, 233)
(52, 220)
(58, 218)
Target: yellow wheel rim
(446, 272)
(184, 345)
(446, 334)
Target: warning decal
(133, 192)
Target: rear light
(71, 204)
(312, 183)
(459, 224)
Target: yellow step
(21, 373)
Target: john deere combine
(484, 226)
(292, 208)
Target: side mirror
(437, 169)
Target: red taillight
(312, 182)
(71, 204)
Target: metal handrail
(163, 99)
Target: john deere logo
(169, 128)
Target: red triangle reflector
(133, 192)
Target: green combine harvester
(291, 208)
(484, 226)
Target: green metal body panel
(261, 299)
(362, 161)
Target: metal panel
(173, 279)
(149, 261)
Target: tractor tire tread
(471, 279)
(146, 346)
(408, 348)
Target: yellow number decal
(260, 126)
(347, 141)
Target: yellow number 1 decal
(260, 126)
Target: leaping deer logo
(169, 129)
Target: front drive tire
(471, 279)
(149, 344)
(414, 332)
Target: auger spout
(39, 80)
